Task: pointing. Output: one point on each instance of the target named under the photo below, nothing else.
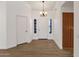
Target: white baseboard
(59, 46)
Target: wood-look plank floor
(37, 48)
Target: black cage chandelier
(43, 12)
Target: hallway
(37, 48)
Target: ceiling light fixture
(43, 12)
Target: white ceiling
(37, 5)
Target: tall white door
(21, 29)
(43, 28)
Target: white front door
(21, 29)
(43, 28)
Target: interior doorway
(21, 29)
(68, 28)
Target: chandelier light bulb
(41, 13)
(45, 12)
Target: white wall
(3, 32)
(58, 24)
(14, 9)
(36, 15)
(58, 28)
(11, 24)
(68, 6)
(76, 29)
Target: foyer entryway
(43, 28)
